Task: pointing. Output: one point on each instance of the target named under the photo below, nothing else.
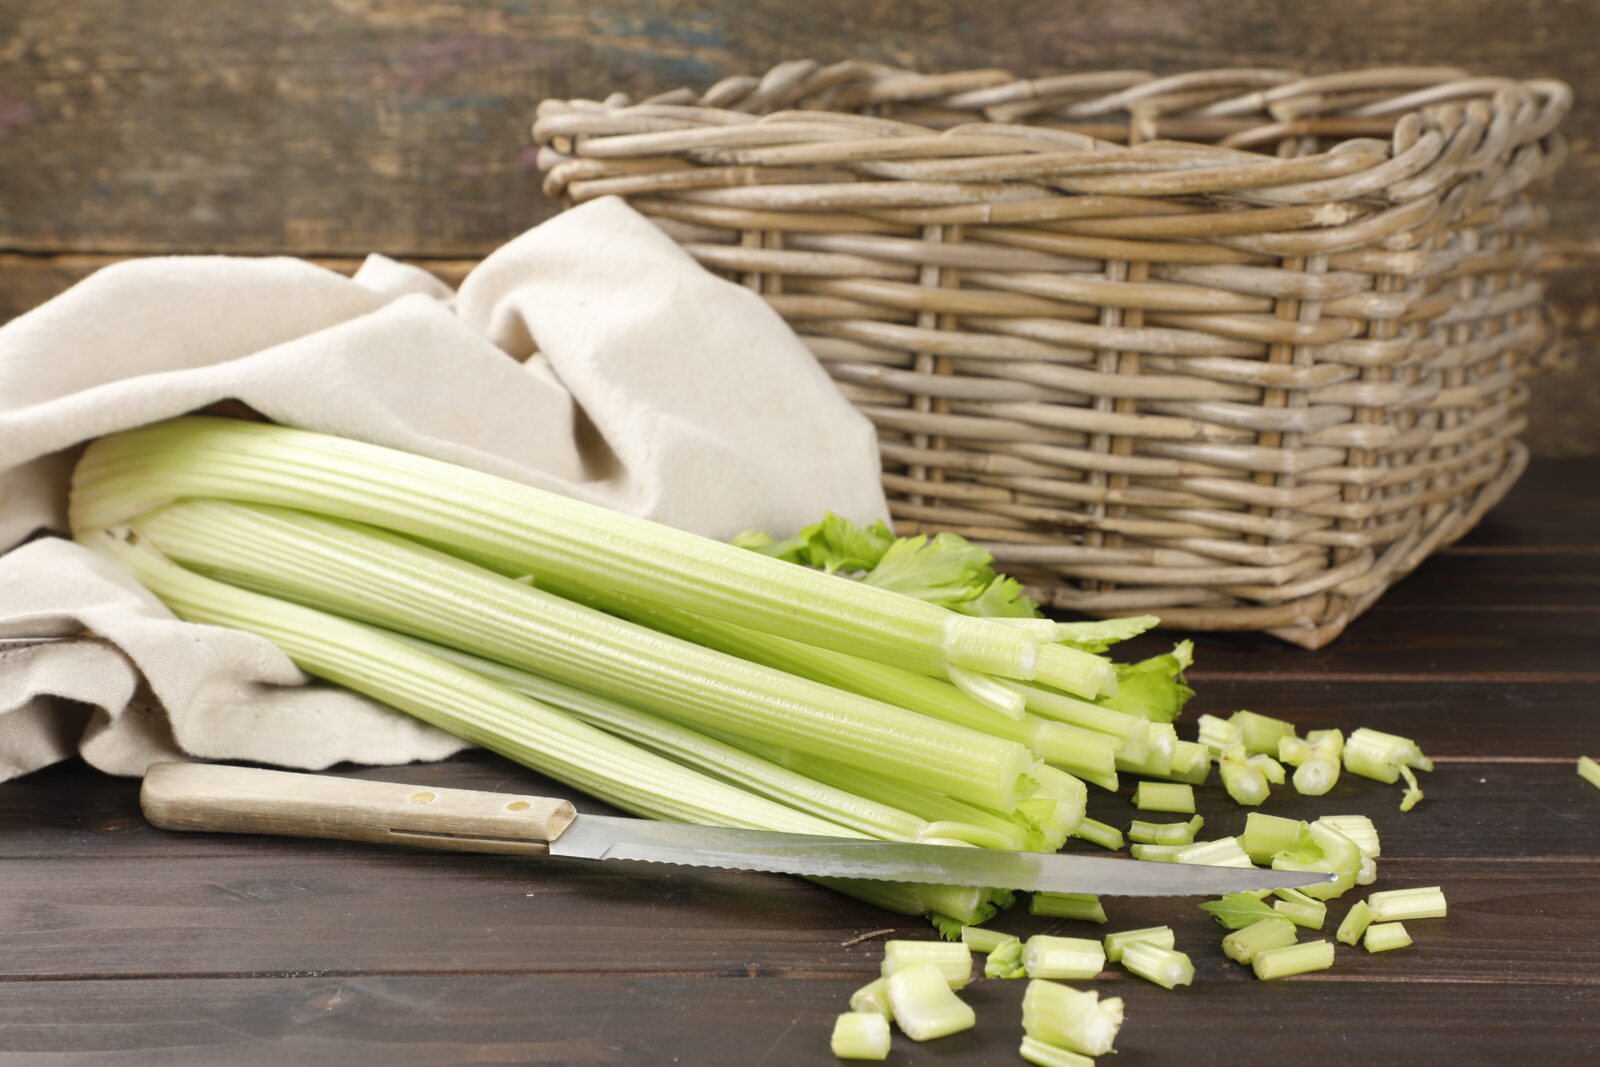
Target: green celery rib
(1087, 753)
(463, 703)
(486, 517)
(696, 750)
(388, 581)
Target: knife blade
(213, 797)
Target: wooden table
(120, 943)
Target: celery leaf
(1154, 688)
(1238, 910)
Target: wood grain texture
(338, 129)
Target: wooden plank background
(334, 128)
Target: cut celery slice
(1245, 943)
(1084, 906)
(925, 1007)
(1160, 936)
(1293, 959)
(860, 1036)
(1382, 937)
(1044, 956)
(1165, 967)
(953, 959)
(1426, 902)
(1071, 1018)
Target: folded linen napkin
(591, 356)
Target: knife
(214, 797)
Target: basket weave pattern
(1236, 347)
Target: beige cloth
(639, 381)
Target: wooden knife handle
(245, 800)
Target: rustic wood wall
(331, 128)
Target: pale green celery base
(124, 474)
(385, 580)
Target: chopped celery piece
(860, 1035)
(1245, 783)
(1357, 828)
(1300, 909)
(1374, 754)
(1085, 906)
(873, 997)
(1165, 833)
(535, 531)
(1270, 768)
(1045, 1055)
(1006, 961)
(953, 959)
(1238, 910)
(1589, 771)
(372, 576)
(981, 939)
(1243, 944)
(1329, 851)
(1355, 923)
(1423, 903)
(1316, 759)
(1161, 742)
(1267, 835)
(1260, 734)
(1156, 853)
(1413, 792)
(1381, 937)
(1164, 966)
(1191, 763)
(925, 1007)
(1164, 796)
(1223, 852)
(1368, 872)
(1161, 936)
(1293, 959)
(1099, 833)
(1071, 1018)
(1044, 956)
(1217, 734)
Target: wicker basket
(1237, 347)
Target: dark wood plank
(1554, 507)
(401, 1022)
(304, 911)
(342, 129)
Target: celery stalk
(1164, 796)
(1357, 828)
(1300, 909)
(1160, 936)
(1381, 937)
(379, 578)
(1245, 943)
(1044, 956)
(1191, 763)
(1172, 833)
(1084, 906)
(1260, 734)
(925, 1007)
(1070, 1018)
(1270, 768)
(1223, 852)
(471, 707)
(1589, 771)
(1426, 902)
(1246, 784)
(1293, 959)
(1099, 833)
(1165, 967)
(953, 959)
(1413, 792)
(873, 997)
(860, 1036)
(534, 531)
(1006, 961)
(1266, 835)
(1042, 1054)
(981, 939)
(1355, 923)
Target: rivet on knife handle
(207, 796)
